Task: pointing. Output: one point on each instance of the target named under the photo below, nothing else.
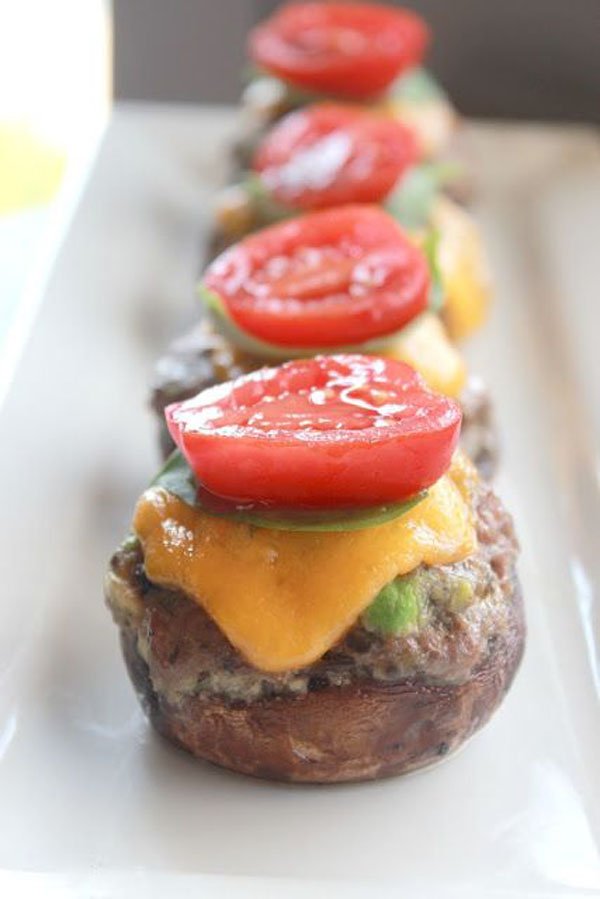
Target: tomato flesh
(331, 431)
(346, 49)
(329, 154)
(332, 278)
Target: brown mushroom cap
(372, 706)
(360, 731)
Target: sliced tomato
(329, 279)
(350, 50)
(331, 431)
(328, 154)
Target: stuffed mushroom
(318, 587)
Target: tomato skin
(352, 50)
(330, 278)
(331, 431)
(329, 154)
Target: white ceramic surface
(91, 802)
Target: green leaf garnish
(412, 200)
(177, 478)
(254, 346)
(268, 209)
(417, 86)
(430, 247)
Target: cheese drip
(424, 344)
(432, 121)
(283, 598)
(463, 268)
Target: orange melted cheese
(425, 345)
(463, 269)
(283, 598)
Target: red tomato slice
(327, 279)
(345, 49)
(330, 431)
(329, 154)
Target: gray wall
(517, 58)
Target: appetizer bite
(317, 587)
(329, 154)
(341, 278)
(364, 53)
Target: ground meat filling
(186, 654)
(202, 358)
(198, 359)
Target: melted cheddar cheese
(463, 269)
(424, 344)
(432, 121)
(283, 598)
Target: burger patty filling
(437, 625)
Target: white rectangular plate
(91, 802)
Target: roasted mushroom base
(202, 358)
(373, 706)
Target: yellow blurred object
(432, 121)
(30, 169)
(424, 344)
(463, 268)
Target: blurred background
(55, 95)
(535, 59)
(63, 62)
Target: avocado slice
(417, 86)
(398, 608)
(177, 478)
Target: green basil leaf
(267, 209)
(254, 346)
(178, 479)
(436, 290)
